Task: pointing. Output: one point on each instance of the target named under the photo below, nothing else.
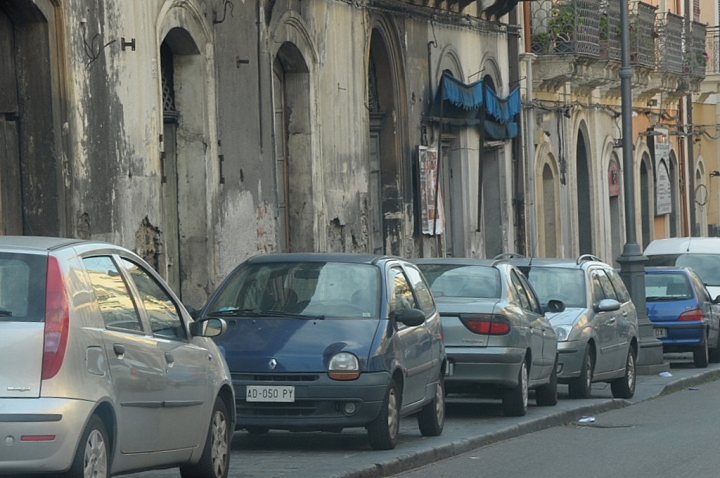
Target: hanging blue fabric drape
(469, 97)
(499, 124)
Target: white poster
(433, 222)
(663, 188)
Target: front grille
(300, 408)
(273, 377)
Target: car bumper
(483, 366)
(319, 404)
(59, 421)
(680, 336)
(570, 359)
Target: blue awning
(468, 97)
(502, 110)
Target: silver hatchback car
(103, 371)
(597, 331)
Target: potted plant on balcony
(562, 26)
(541, 42)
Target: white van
(702, 254)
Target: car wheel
(515, 400)
(431, 418)
(580, 387)
(701, 355)
(714, 353)
(624, 387)
(215, 459)
(546, 395)
(383, 431)
(92, 458)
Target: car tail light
(694, 315)
(57, 320)
(489, 324)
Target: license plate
(269, 393)
(659, 333)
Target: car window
(597, 291)
(162, 312)
(330, 289)
(699, 286)
(567, 285)
(116, 305)
(619, 285)
(459, 280)
(22, 282)
(401, 296)
(421, 290)
(667, 286)
(606, 285)
(707, 266)
(534, 301)
(520, 291)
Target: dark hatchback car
(332, 341)
(684, 316)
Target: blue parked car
(684, 316)
(332, 341)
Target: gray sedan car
(498, 341)
(103, 370)
(597, 331)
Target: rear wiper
(5, 312)
(236, 311)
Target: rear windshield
(567, 285)
(452, 280)
(664, 287)
(707, 266)
(22, 287)
(327, 289)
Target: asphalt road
(471, 423)
(672, 436)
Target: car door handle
(169, 357)
(624, 314)
(612, 321)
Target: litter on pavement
(665, 374)
(587, 420)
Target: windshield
(449, 280)
(301, 289)
(567, 285)
(707, 266)
(662, 287)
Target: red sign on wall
(614, 179)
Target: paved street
(471, 423)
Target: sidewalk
(462, 435)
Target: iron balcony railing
(566, 27)
(671, 29)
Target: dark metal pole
(632, 261)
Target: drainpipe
(528, 57)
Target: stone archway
(549, 223)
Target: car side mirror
(607, 305)
(211, 327)
(411, 317)
(555, 306)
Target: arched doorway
(385, 193)
(549, 222)
(674, 196)
(491, 194)
(584, 203)
(30, 197)
(700, 198)
(293, 153)
(184, 187)
(646, 195)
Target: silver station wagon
(103, 371)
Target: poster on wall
(663, 188)
(433, 221)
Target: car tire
(431, 418)
(624, 387)
(92, 457)
(580, 387)
(701, 355)
(714, 353)
(383, 430)
(515, 400)
(215, 459)
(546, 395)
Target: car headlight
(563, 332)
(344, 366)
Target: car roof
(666, 269)
(467, 261)
(680, 245)
(320, 257)
(559, 262)
(38, 243)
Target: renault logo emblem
(273, 363)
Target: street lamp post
(632, 260)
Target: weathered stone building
(201, 132)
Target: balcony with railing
(579, 41)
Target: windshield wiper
(238, 312)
